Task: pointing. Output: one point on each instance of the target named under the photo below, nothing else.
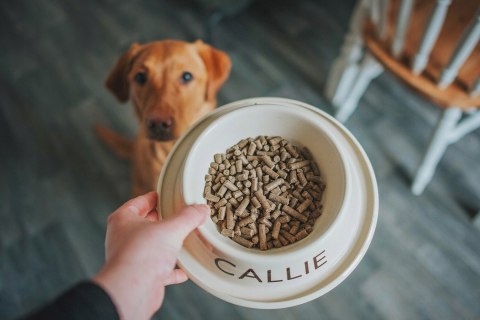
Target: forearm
(85, 300)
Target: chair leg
(345, 67)
(436, 148)
(367, 71)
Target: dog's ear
(117, 81)
(218, 66)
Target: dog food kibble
(267, 195)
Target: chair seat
(460, 14)
(455, 95)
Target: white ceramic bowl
(298, 273)
(268, 120)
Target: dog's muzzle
(160, 129)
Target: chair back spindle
(463, 50)
(401, 27)
(430, 35)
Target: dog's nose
(160, 128)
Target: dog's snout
(160, 128)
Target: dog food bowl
(297, 126)
(297, 273)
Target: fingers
(141, 205)
(175, 277)
(187, 220)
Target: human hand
(141, 253)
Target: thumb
(187, 220)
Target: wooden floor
(58, 183)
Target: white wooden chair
(433, 46)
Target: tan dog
(171, 84)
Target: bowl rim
(292, 250)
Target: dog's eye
(141, 78)
(186, 77)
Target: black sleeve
(86, 300)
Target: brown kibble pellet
(282, 200)
(251, 148)
(221, 192)
(265, 221)
(228, 233)
(268, 162)
(301, 234)
(293, 177)
(274, 141)
(306, 195)
(264, 192)
(255, 202)
(299, 164)
(284, 219)
(218, 158)
(272, 185)
(221, 212)
(282, 174)
(276, 229)
(220, 203)
(304, 205)
(293, 230)
(283, 240)
(263, 140)
(292, 150)
(242, 176)
(239, 165)
(237, 194)
(234, 202)
(237, 231)
(230, 221)
(263, 201)
(262, 236)
(316, 195)
(294, 213)
(207, 190)
(211, 197)
(276, 191)
(247, 231)
(245, 221)
(266, 179)
(313, 178)
(243, 158)
(255, 184)
(276, 214)
(288, 236)
(242, 241)
(253, 226)
(301, 177)
(243, 205)
(297, 195)
(270, 172)
(217, 186)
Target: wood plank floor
(58, 183)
